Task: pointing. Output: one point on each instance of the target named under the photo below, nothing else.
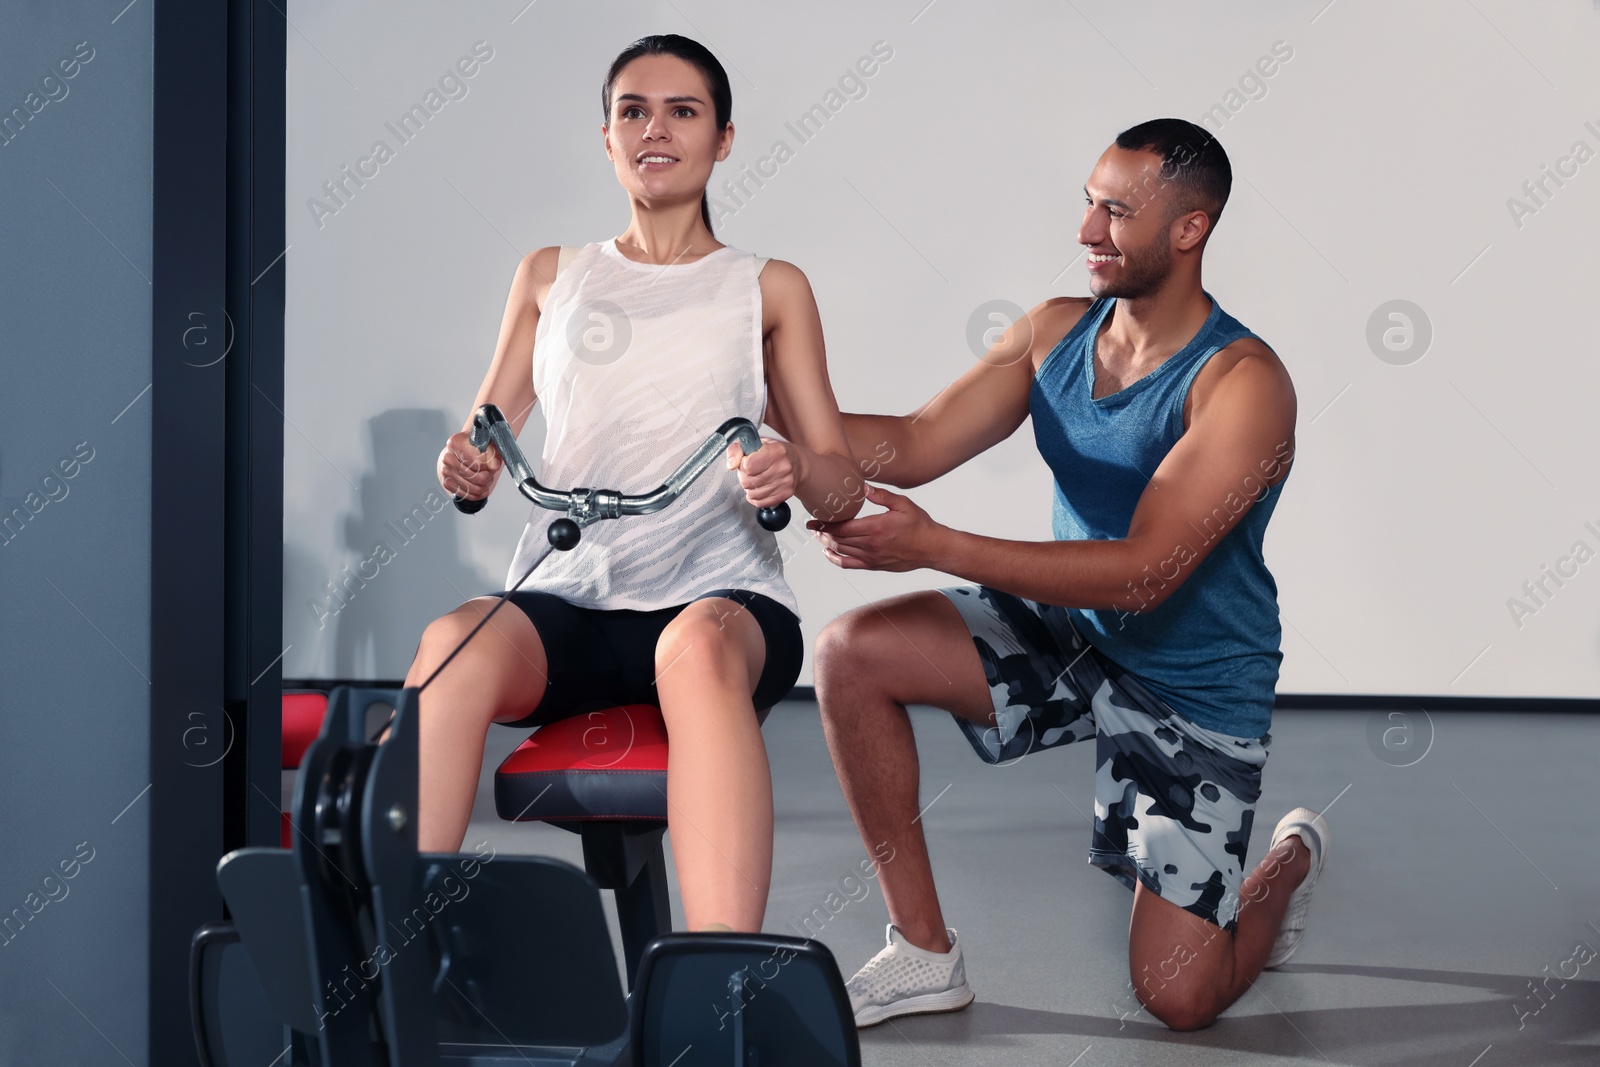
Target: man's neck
(1146, 330)
(1141, 334)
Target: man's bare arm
(1240, 441)
(974, 413)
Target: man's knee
(1179, 1005)
(1180, 964)
(847, 645)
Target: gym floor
(1456, 924)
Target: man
(1150, 622)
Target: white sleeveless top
(635, 365)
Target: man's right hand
(465, 472)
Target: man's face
(1128, 224)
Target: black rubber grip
(774, 519)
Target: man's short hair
(1192, 160)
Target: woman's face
(662, 133)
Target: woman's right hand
(465, 472)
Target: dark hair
(696, 55)
(1191, 159)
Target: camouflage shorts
(1174, 802)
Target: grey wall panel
(75, 576)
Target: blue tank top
(1211, 650)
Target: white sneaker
(1312, 829)
(906, 980)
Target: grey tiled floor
(1451, 884)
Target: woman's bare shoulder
(535, 272)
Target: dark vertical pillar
(189, 725)
(217, 469)
(257, 264)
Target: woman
(640, 347)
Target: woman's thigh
(596, 658)
(744, 633)
(600, 658)
(713, 633)
(504, 663)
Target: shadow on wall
(402, 565)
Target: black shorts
(605, 657)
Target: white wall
(1374, 165)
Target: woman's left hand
(769, 476)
